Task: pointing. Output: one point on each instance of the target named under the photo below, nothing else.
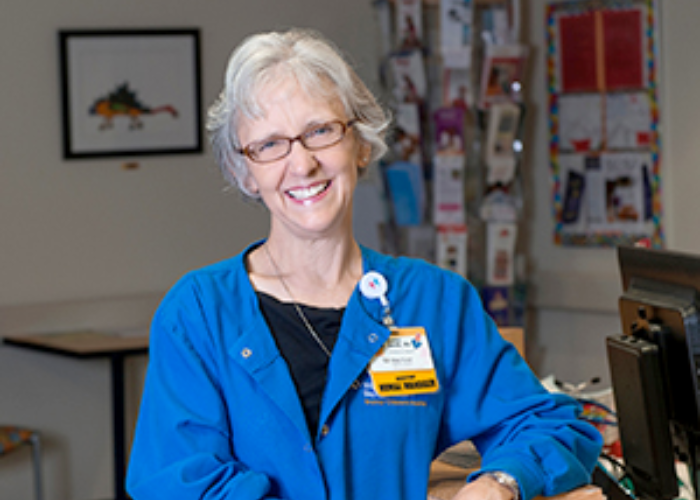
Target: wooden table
(93, 344)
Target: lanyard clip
(374, 286)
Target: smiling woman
(315, 64)
(359, 367)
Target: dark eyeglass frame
(246, 151)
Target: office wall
(576, 289)
(90, 244)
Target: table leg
(118, 425)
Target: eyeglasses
(315, 138)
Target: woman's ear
(250, 185)
(364, 155)
(246, 183)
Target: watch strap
(505, 479)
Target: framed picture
(130, 92)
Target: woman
(308, 367)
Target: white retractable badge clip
(373, 286)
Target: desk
(91, 344)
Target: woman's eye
(320, 130)
(267, 145)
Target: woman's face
(309, 193)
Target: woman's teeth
(308, 192)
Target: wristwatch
(506, 480)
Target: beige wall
(89, 244)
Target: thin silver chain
(301, 314)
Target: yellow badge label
(404, 366)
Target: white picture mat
(160, 70)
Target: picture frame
(130, 92)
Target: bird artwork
(124, 102)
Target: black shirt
(307, 362)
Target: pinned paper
(406, 191)
(448, 190)
(409, 24)
(452, 248)
(500, 251)
(456, 32)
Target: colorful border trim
(657, 238)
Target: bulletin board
(605, 142)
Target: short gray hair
(320, 69)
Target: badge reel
(373, 286)
(404, 365)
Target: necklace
(300, 313)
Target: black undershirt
(307, 362)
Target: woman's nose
(302, 161)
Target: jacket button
(356, 384)
(325, 430)
(246, 353)
(373, 337)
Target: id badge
(405, 365)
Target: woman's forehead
(282, 96)
(290, 86)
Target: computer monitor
(655, 368)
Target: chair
(11, 438)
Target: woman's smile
(309, 194)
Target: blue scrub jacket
(221, 419)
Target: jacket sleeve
(182, 445)
(518, 427)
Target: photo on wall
(130, 92)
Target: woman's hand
(485, 488)
(589, 492)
